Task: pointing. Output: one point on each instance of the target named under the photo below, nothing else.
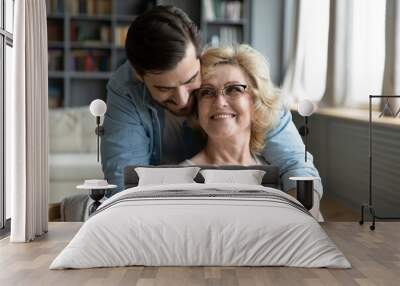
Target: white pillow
(248, 177)
(163, 176)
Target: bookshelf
(86, 41)
(225, 22)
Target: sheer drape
(26, 129)
(306, 73)
(339, 52)
(391, 79)
(355, 53)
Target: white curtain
(26, 127)
(356, 52)
(391, 80)
(306, 73)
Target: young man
(150, 94)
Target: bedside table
(97, 190)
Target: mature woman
(235, 106)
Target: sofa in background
(72, 151)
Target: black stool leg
(362, 215)
(96, 195)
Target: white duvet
(185, 230)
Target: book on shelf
(231, 10)
(105, 34)
(54, 6)
(55, 60)
(229, 35)
(208, 8)
(223, 10)
(54, 31)
(90, 61)
(89, 7)
(120, 35)
(83, 32)
(103, 7)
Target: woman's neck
(227, 151)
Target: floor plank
(333, 209)
(375, 257)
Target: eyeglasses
(231, 92)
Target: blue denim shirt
(133, 124)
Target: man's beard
(183, 111)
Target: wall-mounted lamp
(98, 108)
(305, 108)
(305, 185)
(97, 188)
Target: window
(6, 43)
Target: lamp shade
(98, 107)
(305, 107)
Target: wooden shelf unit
(86, 43)
(226, 22)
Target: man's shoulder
(122, 80)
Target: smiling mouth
(222, 116)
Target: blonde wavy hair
(263, 92)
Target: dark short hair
(157, 40)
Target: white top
(259, 161)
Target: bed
(201, 224)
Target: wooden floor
(333, 209)
(374, 255)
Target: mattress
(201, 225)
